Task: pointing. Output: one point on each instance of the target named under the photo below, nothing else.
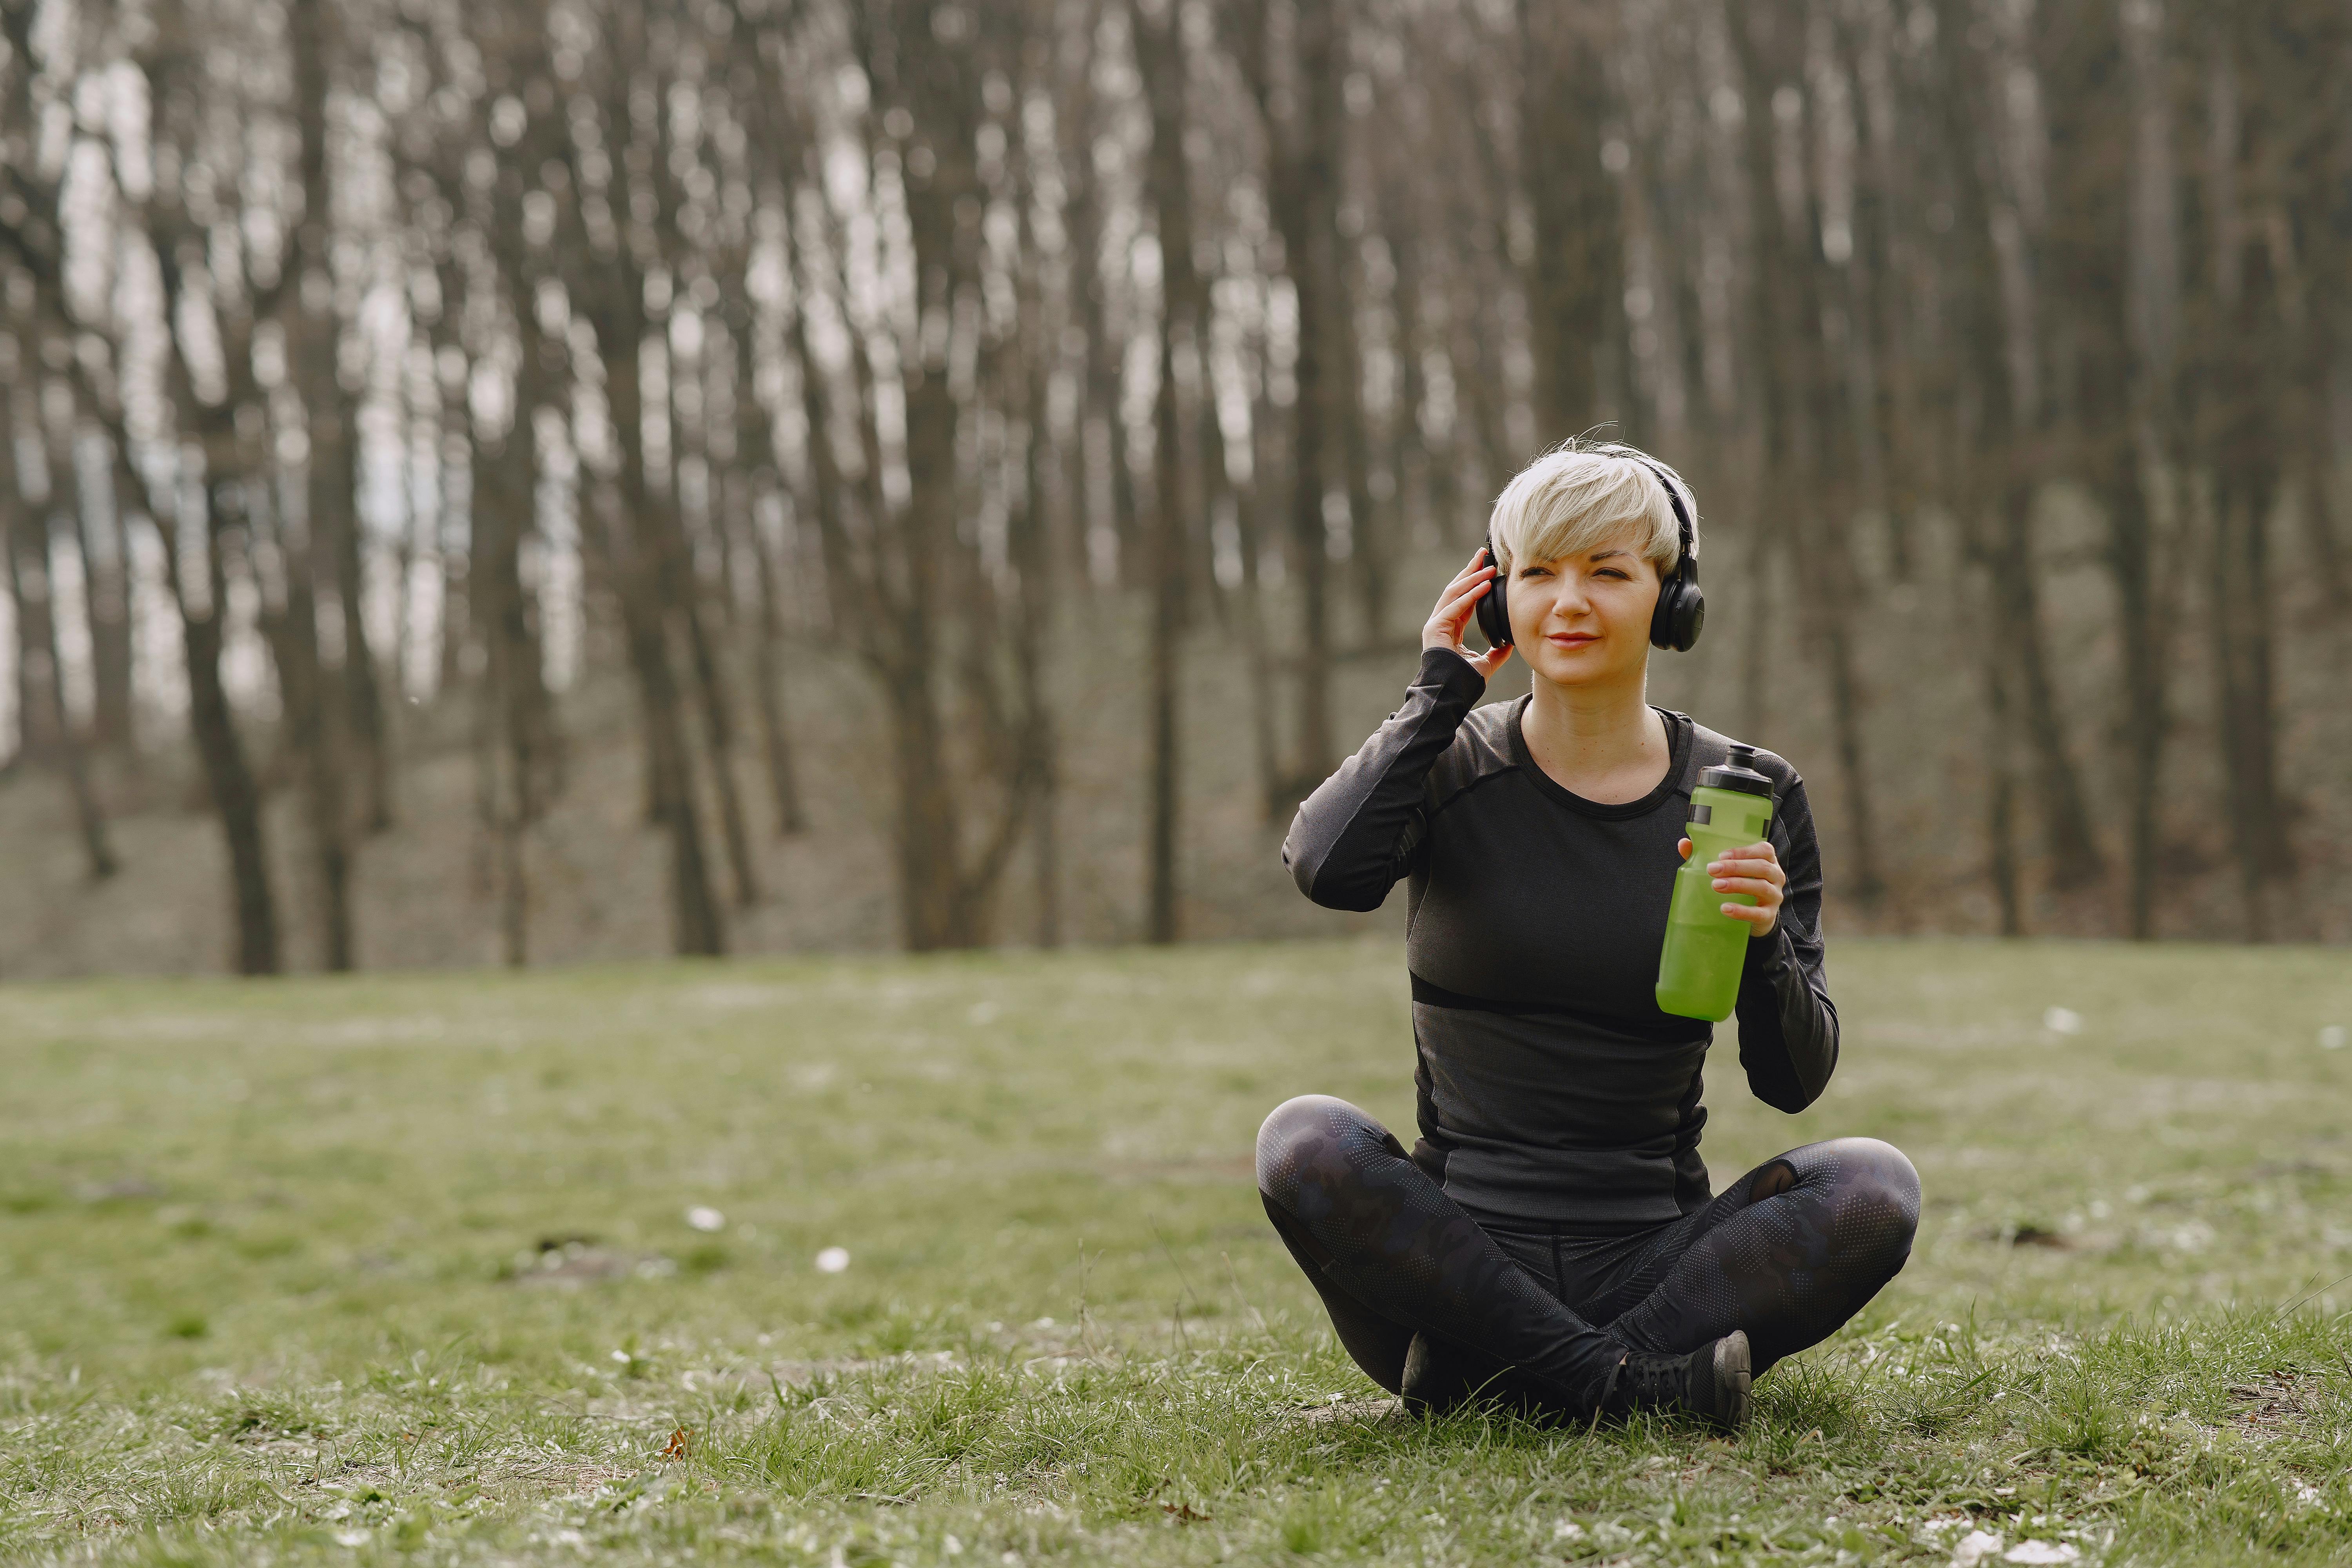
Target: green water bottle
(1698, 972)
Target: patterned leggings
(1789, 1253)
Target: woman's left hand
(1754, 869)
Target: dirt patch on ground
(1341, 1411)
(2274, 1405)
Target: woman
(1552, 1238)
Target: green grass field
(404, 1269)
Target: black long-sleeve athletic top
(1552, 1091)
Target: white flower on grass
(2306, 1495)
(2331, 1037)
(2062, 1021)
(832, 1260)
(1974, 1548)
(702, 1216)
(2042, 1551)
(1567, 1530)
(351, 1538)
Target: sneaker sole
(1732, 1381)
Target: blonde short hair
(1577, 496)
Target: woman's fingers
(1452, 617)
(1453, 608)
(1468, 582)
(1462, 593)
(1473, 569)
(1755, 870)
(1750, 860)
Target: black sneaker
(1440, 1376)
(1711, 1382)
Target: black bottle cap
(1739, 773)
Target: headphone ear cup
(1690, 616)
(1681, 613)
(1493, 614)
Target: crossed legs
(1788, 1253)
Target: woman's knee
(1878, 1190)
(1297, 1132)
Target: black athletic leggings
(1789, 1253)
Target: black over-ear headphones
(1681, 607)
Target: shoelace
(1653, 1383)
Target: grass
(402, 1269)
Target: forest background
(531, 480)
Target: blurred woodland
(519, 480)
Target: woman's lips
(1571, 639)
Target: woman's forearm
(1354, 836)
(1788, 1025)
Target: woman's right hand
(1447, 622)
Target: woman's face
(1585, 620)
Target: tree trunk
(931, 911)
(1425, 481)
(2074, 853)
(695, 927)
(2244, 692)
(755, 443)
(946, 897)
(504, 478)
(329, 416)
(2131, 552)
(1040, 582)
(638, 551)
(1159, 51)
(1368, 546)
(309, 730)
(2000, 801)
(292, 631)
(2242, 432)
(1835, 634)
(106, 566)
(1266, 749)
(32, 585)
(768, 688)
(1577, 273)
(718, 721)
(228, 776)
(2110, 225)
(1306, 176)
